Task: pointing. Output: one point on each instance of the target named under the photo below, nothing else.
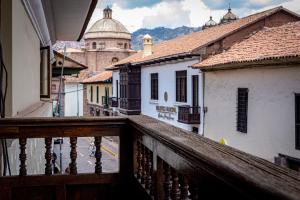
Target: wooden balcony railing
(113, 102)
(189, 115)
(157, 161)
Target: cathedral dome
(228, 17)
(209, 23)
(108, 28)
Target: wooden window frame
(91, 95)
(297, 121)
(48, 71)
(181, 86)
(242, 110)
(154, 86)
(97, 94)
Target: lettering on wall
(165, 112)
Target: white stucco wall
(25, 62)
(22, 59)
(271, 109)
(167, 83)
(73, 104)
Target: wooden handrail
(217, 166)
(60, 127)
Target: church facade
(106, 42)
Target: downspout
(202, 90)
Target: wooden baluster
(139, 161)
(73, 156)
(143, 175)
(184, 189)
(175, 192)
(152, 180)
(98, 155)
(167, 182)
(22, 156)
(194, 192)
(48, 156)
(148, 179)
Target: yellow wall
(102, 87)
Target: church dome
(107, 27)
(209, 23)
(228, 17)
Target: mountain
(159, 34)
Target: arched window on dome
(94, 45)
(125, 45)
(114, 60)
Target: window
(297, 119)
(154, 86)
(242, 109)
(91, 94)
(114, 60)
(97, 93)
(45, 72)
(181, 86)
(94, 45)
(125, 45)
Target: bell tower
(107, 13)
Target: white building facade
(271, 109)
(165, 107)
(73, 99)
(252, 100)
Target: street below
(85, 159)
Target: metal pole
(77, 101)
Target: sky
(136, 14)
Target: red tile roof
(268, 44)
(191, 42)
(101, 77)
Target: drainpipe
(202, 91)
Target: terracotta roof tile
(101, 77)
(269, 43)
(189, 43)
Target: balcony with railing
(113, 102)
(189, 115)
(156, 161)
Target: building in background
(98, 90)
(159, 81)
(105, 43)
(252, 95)
(28, 30)
(66, 98)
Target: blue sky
(135, 14)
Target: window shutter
(242, 109)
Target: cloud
(168, 14)
(172, 13)
(130, 4)
(249, 4)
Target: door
(195, 90)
